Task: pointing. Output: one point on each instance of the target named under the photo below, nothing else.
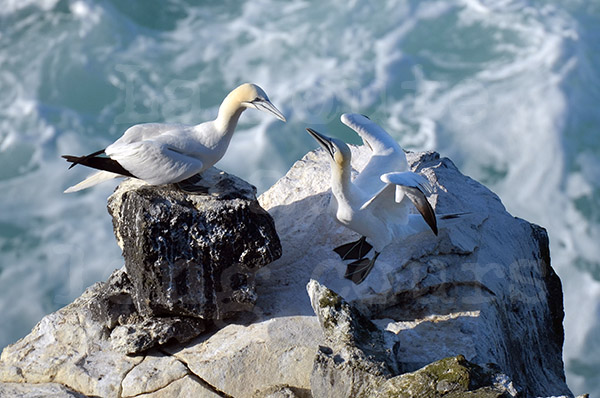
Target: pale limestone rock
(43, 390)
(354, 362)
(483, 288)
(241, 360)
(68, 347)
(283, 392)
(156, 371)
(187, 386)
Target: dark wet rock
(193, 255)
(130, 332)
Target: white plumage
(377, 203)
(169, 153)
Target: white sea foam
(494, 85)
(12, 6)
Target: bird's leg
(358, 271)
(354, 250)
(191, 186)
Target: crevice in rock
(160, 388)
(120, 393)
(199, 379)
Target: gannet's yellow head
(337, 149)
(249, 95)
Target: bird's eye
(257, 99)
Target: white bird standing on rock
(377, 204)
(161, 153)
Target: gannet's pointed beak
(324, 141)
(266, 106)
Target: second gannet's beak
(324, 141)
(266, 106)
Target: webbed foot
(357, 271)
(191, 185)
(354, 250)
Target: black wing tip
(74, 160)
(425, 209)
(81, 159)
(431, 221)
(98, 162)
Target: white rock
(68, 347)
(43, 390)
(187, 386)
(483, 288)
(156, 371)
(241, 360)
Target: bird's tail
(75, 160)
(92, 180)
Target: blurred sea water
(509, 90)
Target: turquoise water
(508, 89)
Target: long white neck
(341, 184)
(229, 113)
(224, 125)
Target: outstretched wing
(409, 184)
(373, 135)
(387, 155)
(408, 179)
(414, 186)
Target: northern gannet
(377, 203)
(161, 153)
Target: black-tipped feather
(417, 197)
(81, 159)
(96, 162)
(354, 250)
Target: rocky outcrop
(447, 315)
(190, 261)
(354, 363)
(71, 347)
(193, 255)
(483, 288)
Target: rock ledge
(438, 316)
